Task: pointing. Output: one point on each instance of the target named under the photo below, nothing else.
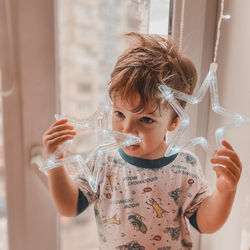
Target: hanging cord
(8, 92)
(222, 16)
(182, 24)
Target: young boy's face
(150, 126)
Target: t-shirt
(142, 204)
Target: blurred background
(57, 56)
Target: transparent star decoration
(83, 155)
(84, 162)
(172, 95)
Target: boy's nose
(129, 128)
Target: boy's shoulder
(191, 162)
(113, 156)
(186, 156)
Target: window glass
(3, 214)
(160, 13)
(88, 45)
(5, 65)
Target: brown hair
(150, 60)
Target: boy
(143, 197)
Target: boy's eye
(119, 114)
(146, 120)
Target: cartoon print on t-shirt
(157, 238)
(173, 231)
(147, 189)
(159, 211)
(175, 194)
(148, 215)
(191, 160)
(102, 237)
(113, 220)
(164, 248)
(133, 245)
(108, 195)
(111, 180)
(136, 221)
(190, 181)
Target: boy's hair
(149, 61)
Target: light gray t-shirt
(142, 204)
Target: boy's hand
(229, 175)
(58, 133)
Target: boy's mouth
(132, 147)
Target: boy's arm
(64, 191)
(214, 210)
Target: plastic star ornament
(172, 95)
(210, 82)
(83, 155)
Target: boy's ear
(174, 124)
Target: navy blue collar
(147, 163)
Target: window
(28, 112)
(88, 47)
(5, 47)
(3, 214)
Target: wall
(234, 93)
(198, 42)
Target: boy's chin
(136, 151)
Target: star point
(210, 83)
(89, 167)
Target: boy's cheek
(114, 125)
(117, 127)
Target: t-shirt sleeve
(82, 202)
(199, 194)
(191, 211)
(193, 221)
(86, 195)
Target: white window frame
(32, 219)
(198, 45)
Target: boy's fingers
(59, 133)
(58, 122)
(59, 140)
(227, 145)
(231, 154)
(59, 127)
(230, 165)
(223, 171)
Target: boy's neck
(147, 163)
